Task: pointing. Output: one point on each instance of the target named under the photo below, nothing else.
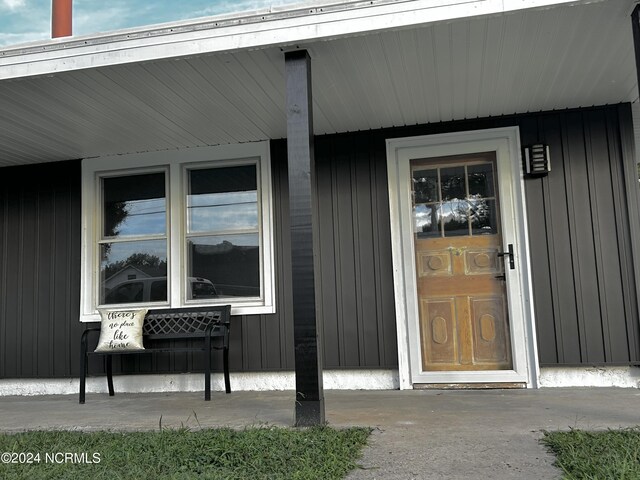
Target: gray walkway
(417, 434)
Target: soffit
(528, 60)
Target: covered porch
(378, 70)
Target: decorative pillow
(121, 330)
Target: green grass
(601, 455)
(252, 453)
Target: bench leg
(110, 375)
(83, 373)
(225, 366)
(207, 370)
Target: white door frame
(506, 143)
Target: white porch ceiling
(529, 60)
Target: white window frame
(177, 163)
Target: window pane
(425, 222)
(230, 262)
(484, 218)
(134, 205)
(201, 288)
(454, 215)
(425, 186)
(130, 271)
(222, 211)
(158, 290)
(222, 199)
(452, 183)
(481, 180)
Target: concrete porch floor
(421, 434)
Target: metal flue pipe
(61, 15)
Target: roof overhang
(375, 64)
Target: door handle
(509, 253)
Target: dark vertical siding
(39, 270)
(584, 287)
(627, 197)
(583, 220)
(356, 281)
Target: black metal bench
(204, 323)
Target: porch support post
(635, 25)
(309, 391)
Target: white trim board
(506, 143)
(194, 382)
(550, 377)
(623, 377)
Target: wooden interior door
(464, 323)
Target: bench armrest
(85, 336)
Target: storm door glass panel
(483, 213)
(454, 210)
(133, 245)
(426, 202)
(223, 233)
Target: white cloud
(13, 4)
(20, 38)
(241, 6)
(100, 20)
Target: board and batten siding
(583, 227)
(583, 221)
(40, 270)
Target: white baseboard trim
(624, 377)
(192, 382)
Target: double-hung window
(178, 228)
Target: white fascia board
(284, 28)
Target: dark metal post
(309, 391)
(635, 26)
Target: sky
(23, 21)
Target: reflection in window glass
(452, 180)
(480, 179)
(483, 216)
(230, 262)
(147, 259)
(127, 292)
(134, 205)
(454, 216)
(158, 290)
(201, 288)
(222, 199)
(223, 211)
(425, 222)
(425, 186)
(454, 200)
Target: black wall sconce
(536, 160)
